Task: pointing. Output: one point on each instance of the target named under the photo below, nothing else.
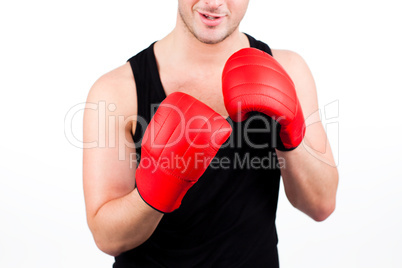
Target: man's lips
(211, 19)
(211, 14)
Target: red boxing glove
(253, 81)
(178, 145)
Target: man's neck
(185, 48)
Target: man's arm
(117, 216)
(309, 175)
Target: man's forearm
(123, 224)
(310, 178)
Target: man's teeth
(209, 17)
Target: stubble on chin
(211, 41)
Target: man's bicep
(315, 139)
(109, 162)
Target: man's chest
(207, 89)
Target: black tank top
(227, 219)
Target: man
(216, 214)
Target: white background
(52, 52)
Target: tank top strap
(149, 88)
(258, 44)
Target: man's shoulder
(302, 77)
(292, 62)
(116, 87)
(286, 57)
